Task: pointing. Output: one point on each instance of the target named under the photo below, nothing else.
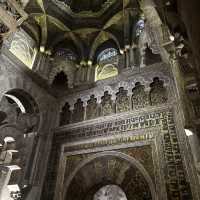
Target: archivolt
(123, 156)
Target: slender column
(132, 60)
(127, 58)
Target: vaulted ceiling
(81, 25)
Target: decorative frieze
(92, 108)
(122, 132)
(158, 93)
(140, 98)
(106, 104)
(175, 175)
(122, 101)
(78, 112)
(117, 126)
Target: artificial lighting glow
(48, 52)
(121, 51)
(42, 49)
(89, 62)
(188, 132)
(13, 151)
(34, 57)
(13, 187)
(9, 139)
(13, 167)
(171, 37)
(17, 101)
(82, 62)
(127, 46)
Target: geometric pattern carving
(106, 104)
(133, 183)
(92, 108)
(174, 175)
(140, 98)
(65, 116)
(78, 112)
(158, 93)
(122, 101)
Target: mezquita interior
(99, 100)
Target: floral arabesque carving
(68, 67)
(122, 100)
(65, 116)
(106, 104)
(158, 93)
(92, 108)
(139, 97)
(78, 112)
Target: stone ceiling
(104, 171)
(78, 23)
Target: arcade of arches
(99, 100)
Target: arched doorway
(109, 169)
(19, 123)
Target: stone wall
(75, 145)
(14, 78)
(132, 124)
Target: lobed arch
(68, 67)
